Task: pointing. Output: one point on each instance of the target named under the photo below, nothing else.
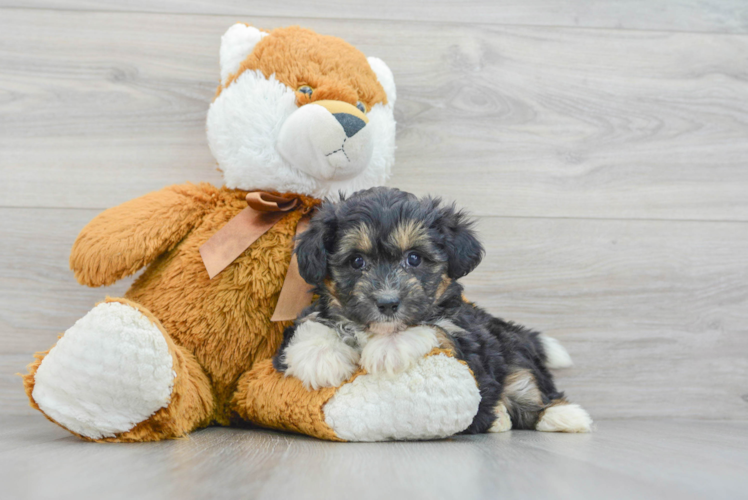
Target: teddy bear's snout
(329, 140)
(349, 117)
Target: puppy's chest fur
(444, 317)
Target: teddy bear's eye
(361, 107)
(306, 89)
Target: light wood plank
(622, 460)
(39, 297)
(653, 312)
(22, 431)
(100, 107)
(718, 16)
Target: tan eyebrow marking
(357, 239)
(409, 234)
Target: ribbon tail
(296, 293)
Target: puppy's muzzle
(328, 140)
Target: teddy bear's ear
(236, 44)
(384, 75)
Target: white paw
(503, 421)
(435, 399)
(395, 353)
(318, 357)
(564, 418)
(109, 372)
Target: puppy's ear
(464, 251)
(314, 243)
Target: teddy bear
(297, 117)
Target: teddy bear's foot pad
(109, 372)
(436, 398)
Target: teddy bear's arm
(122, 239)
(436, 398)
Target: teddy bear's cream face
(299, 112)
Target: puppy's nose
(388, 306)
(351, 124)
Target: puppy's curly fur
(385, 265)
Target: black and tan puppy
(385, 265)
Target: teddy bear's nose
(351, 124)
(349, 116)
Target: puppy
(385, 265)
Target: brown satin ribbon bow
(229, 242)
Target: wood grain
(654, 313)
(622, 460)
(718, 16)
(96, 108)
(608, 168)
(39, 297)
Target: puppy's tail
(556, 355)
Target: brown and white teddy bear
(298, 116)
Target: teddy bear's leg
(436, 398)
(117, 376)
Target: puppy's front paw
(318, 357)
(394, 353)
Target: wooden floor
(633, 459)
(602, 145)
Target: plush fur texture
(265, 397)
(385, 265)
(330, 65)
(266, 133)
(238, 41)
(190, 402)
(436, 399)
(215, 335)
(224, 323)
(119, 339)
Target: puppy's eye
(306, 89)
(414, 259)
(361, 107)
(357, 262)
